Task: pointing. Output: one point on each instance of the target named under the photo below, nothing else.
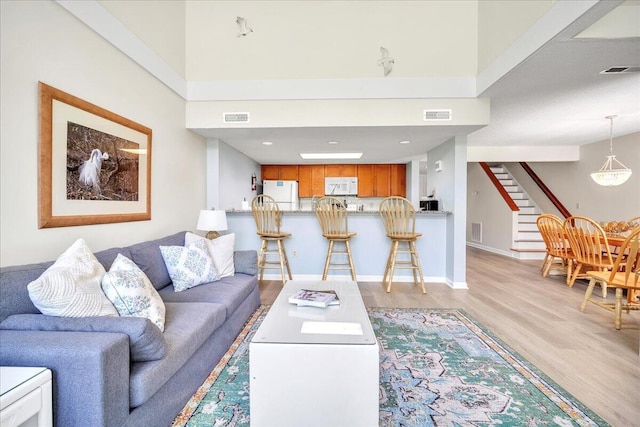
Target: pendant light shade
(612, 172)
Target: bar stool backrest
(266, 214)
(332, 215)
(398, 216)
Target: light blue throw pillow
(189, 266)
(131, 292)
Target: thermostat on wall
(439, 166)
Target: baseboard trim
(371, 278)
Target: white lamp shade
(212, 220)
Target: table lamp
(213, 222)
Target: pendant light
(607, 175)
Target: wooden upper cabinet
(280, 172)
(381, 180)
(365, 181)
(398, 180)
(311, 178)
(289, 172)
(340, 170)
(270, 172)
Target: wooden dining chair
(625, 275)
(590, 247)
(268, 219)
(555, 239)
(334, 221)
(399, 219)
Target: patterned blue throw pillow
(131, 292)
(189, 266)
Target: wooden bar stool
(332, 214)
(399, 219)
(268, 218)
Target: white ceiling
(555, 97)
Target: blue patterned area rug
(438, 367)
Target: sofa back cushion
(148, 257)
(13, 288)
(107, 256)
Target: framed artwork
(94, 165)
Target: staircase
(527, 242)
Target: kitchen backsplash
(353, 203)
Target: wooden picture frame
(94, 165)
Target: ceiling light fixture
(607, 175)
(267, 143)
(405, 142)
(332, 142)
(330, 156)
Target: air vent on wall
(436, 115)
(476, 232)
(621, 70)
(235, 117)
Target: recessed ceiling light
(267, 143)
(405, 142)
(332, 142)
(330, 156)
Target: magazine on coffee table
(313, 298)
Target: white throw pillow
(131, 292)
(220, 249)
(71, 286)
(189, 266)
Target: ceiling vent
(436, 115)
(620, 70)
(235, 117)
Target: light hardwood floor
(540, 319)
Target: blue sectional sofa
(122, 371)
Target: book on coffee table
(306, 297)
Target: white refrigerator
(285, 193)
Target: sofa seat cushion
(187, 327)
(229, 291)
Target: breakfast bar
(307, 248)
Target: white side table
(25, 397)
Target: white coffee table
(315, 366)
(25, 397)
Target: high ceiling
(554, 96)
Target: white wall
(487, 207)
(451, 192)
(40, 41)
(569, 181)
(235, 177)
(572, 185)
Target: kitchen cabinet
(398, 180)
(382, 180)
(365, 180)
(280, 172)
(311, 180)
(340, 170)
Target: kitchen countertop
(309, 211)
